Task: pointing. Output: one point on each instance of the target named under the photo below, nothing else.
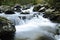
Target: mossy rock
(6, 25)
(37, 7)
(53, 16)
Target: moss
(4, 20)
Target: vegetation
(22, 2)
(54, 3)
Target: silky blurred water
(32, 27)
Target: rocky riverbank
(49, 12)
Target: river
(33, 27)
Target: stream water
(33, 27)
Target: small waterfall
(37, 26)
(33, 26)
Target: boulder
(56, 18)
(6, 25)
(42, 9)
(7, 29)
(53, 16)
(17, 8)
(1, 9)
(37, 7)
(9, 12)
(25, 7)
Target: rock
(6, 25)
(49, 10)
(42, 9)
(48, 13)
(37, 7)
(9, 12)
(25, 13)
(5, 8)
(45, 38)
(25, 7)
(17, 8)
(53, 16)
(24, 17)
(7, 29)
(1, 11)
(56, 18)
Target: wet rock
(6, 25)
(49, 10)
(42, 9)
(24, 17)
(53, 16)
(37, 7)
(7, 29)
(25, 13)
(17, 8)
(49, 13)
(9, 12)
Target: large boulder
(7, 29)
(54, 16)
(6, 25)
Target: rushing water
(33, 27)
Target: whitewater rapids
(35, 28)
